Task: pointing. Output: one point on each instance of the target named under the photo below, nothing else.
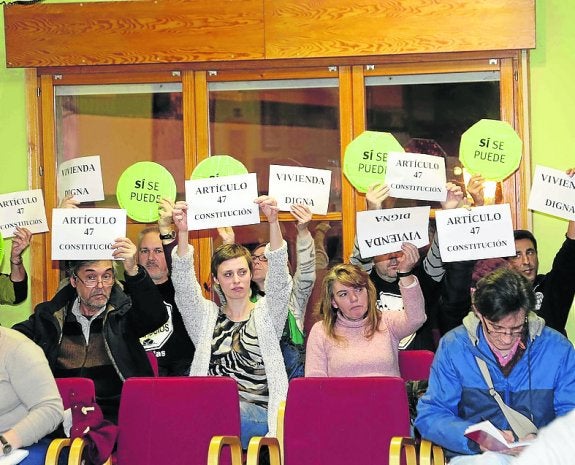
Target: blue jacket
(541, 385)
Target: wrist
(168, 235)
(16, 261)
(403, 274)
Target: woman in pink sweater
(355, 338)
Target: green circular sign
(365, 160)
(1, 248)
(140, 188)
(491, 148)
(218, 165)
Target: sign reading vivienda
(553, 192)
(141, 186)
(476, 233)
(383, 231)
(218, 165)
(291, 185)
(24, 209)
(81, 178)
(491, 148)
(365, 159)
(86, 233)
(222, 201)
(416, 176)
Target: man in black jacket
(555, 290)
(91, 328)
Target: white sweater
(270, 313)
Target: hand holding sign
(375, 196)
(20, 241)
(124, 249)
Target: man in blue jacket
(532, 367)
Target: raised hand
(303, 216)
(227, 234)
(125, 249)
(268, 206)
(20, 241)
(475, 187)
(454, 196)
(375, 196)
(69, 202)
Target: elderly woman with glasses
(530, 366)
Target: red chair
(171, 420)
(76, 393)
(415, 364)
(339, 421)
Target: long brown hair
(352, 276)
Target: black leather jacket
(126, 320)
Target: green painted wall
(552, 114)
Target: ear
(73, 281)
(333, 304)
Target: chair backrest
(415, 364)
(171, 420)
(74, 390)
(343, 420)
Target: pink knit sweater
(358, 356)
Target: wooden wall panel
(311, 28)
(188, 31)
(162, 31)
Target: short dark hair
(73, 266)
(227, 252)
(519, 234)
(503, 292)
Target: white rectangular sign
(86, 233)
(480, 232)
(222, 201)
(291, 185)
(24, 209)
(383, 231)
(82, 178)
(553, 192)
(416, 176)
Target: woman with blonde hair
(355, 337)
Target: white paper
(480, 232)
(82, 178)
(86, 233)
(416, 176)
(553, 192)
(14, 457)
(291, 185)
(222, 201)
(25, 209)
(383, 231)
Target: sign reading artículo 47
(383, 231)
(24, 209)
(86, 233)
(480, 232)
(222, 201)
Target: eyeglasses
(106, 279)
(262, 258)
(498, 332)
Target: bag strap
(519, 423)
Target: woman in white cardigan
(240, 339)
